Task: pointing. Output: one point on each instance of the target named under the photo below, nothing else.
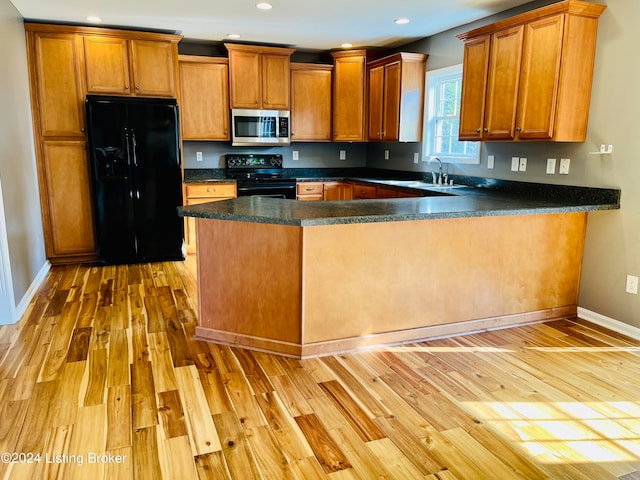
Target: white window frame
(432, 81)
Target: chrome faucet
(439, 180)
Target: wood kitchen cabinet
(122, 66)
(59, 69)
(196, 193)
(259, 77)
(60, 108)
(66, 199)
(529, 77)
(315, 191)
(204, 98)
(349, 95)
(311, 102)
(396, 97)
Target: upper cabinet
(121, 66)
(396, 97)
(528, 77)
(60, 108)
(259, 76)
(204, 98)
(349, 95)
(310, 102)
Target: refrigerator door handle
(126, 142)
(133, 148)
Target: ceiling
(303, 24)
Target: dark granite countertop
(496, 198)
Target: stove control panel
(250, 160)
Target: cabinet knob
(212, 190)
(518, 129)
(477, 130)
(126, 87)
(486, 129)
(82, 129)
(137, 87)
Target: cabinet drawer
(309, 188)
(387, 192)
(211, 190)
(364, 191)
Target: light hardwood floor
(104, 363)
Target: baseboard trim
(610, 323)
(22, 306)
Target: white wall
(17, 157)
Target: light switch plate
(294, 154)
(198, 156)
(515, 164)
(564, 166)
(386, 154)
(416, 157)
(343, 154)
(491, 161)
(551, 166)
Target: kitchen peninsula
(306, 279)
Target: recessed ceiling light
(402, 21)
(93, 19)
(233, 35)
(346, 45)
(264, 6)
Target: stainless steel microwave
(259, 127)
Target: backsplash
(310, 155)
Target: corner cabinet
(58, 76)
(204, 98)
(310, 102)
(396, 97)
(528, 77)
(259, 76)
(349, 95)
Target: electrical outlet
(294, 154)
(551, 166)
(343, 154)
(564, 166)
(386, 154)
(523, 164)
(198, 156)
(515, 164)
(416, 157)
(632, 284)
(491, 161)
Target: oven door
(273, 189)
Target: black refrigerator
(136, 179)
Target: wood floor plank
(143, 395)
(171, 414)
(202, 431)
(146, 460)
(326, 450)
(97, 367)
(212, 466)
(238, 459)
(118, 417)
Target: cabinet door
(503, 83)
(376, 102)
(540, 78)
(244, 79)
(68, 212)
(349, 99)
(391, 106)
(311, 104)
(204, 98)
(474, 88)
(154, 68)
(107, 65)
(60, 106)
(275, 81)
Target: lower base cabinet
(67, 205)
(203, 193)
